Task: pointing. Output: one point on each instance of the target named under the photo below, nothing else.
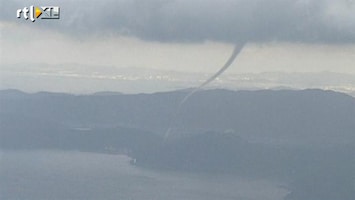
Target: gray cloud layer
(315, 21)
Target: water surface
(57, 175)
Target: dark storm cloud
(324, 21)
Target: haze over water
(78, 175)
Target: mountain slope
(268, 116)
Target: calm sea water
(57, 175)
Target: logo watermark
(39, 12)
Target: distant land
(87, 79)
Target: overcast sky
(184, 35)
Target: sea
(74, 175)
